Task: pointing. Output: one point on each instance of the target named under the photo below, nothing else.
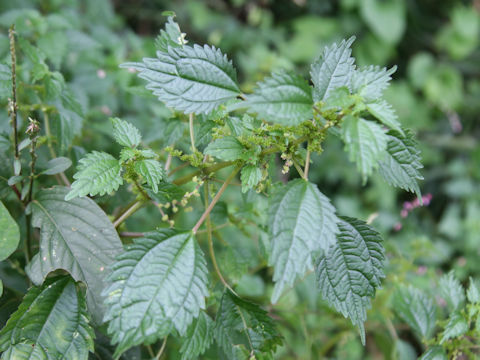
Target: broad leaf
(227, 148)
(242, 327)
(198, 338)
(371, 81)
(52, 320)
(56, 166)
(351, 272)
(283, 98)
(401, 163)
(301, 223)
(75, 236)
(451, 291)
(365, 142)
(250, 176)
(160, 282)
(10, 233)
(97, 173)
(417, 310)
(171, 36)
(125, 133)
(151, 171)
(385, 113)
(457, 325)
(332, 69)
(192, 79)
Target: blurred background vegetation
(78, 44)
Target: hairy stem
(307, 164)
(130, 211)
(13, 108)
(299, 169)
(215, 199)
(192, 136)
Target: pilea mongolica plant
(159, 284)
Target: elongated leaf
(451, 291)
(385, 113)
(171, 36)
(301, 223)
(371, 81)
(434, 353)
(332, 69)
(52, 320)
(365, 142)
(9, 233)
(227, 148)
(151, 171)
(57, 165)
(76, 236)
(473, 292)
(193, 79)
(125, 133)
(250, 176)
(199, 337)
(417, 310)
(283, 98)
(97, 173)
(351, 272)
(457, 325)
(160, 282)
(242, 327)
(401, 163)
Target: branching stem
(131, 210)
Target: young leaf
(473, 292)
(332, 69)
(158, 283)
(351, 272)
(385, 113)
(370, 82)
(434, 353)
(457, 325)
(75, 236)
(199, 337)
(250, 176)
(52, 320)
(243, 327)
(417, 310)
(227, 148)
(301, 222)
(401, 163)
(171, 36)
(151, 171)
(125, 133)
(10, 233)
(283, 98)
(193, 79)
(365, 142)
(56, 166)
(452, 291)
(97, 173)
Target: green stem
(192, 136)
(208, 170)
(48, 134)
(13, 109)
(130, 211)
(307, 163)
(162, 348)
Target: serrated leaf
(282, 98)
(242, 325)
(98, 173)
(9, 233)
(52, 320)
(198, 338)
(332, 69)
(370, 82)
(457, 325)
(250, 176)
(401, 163)
(351, 272)
(301, 223)
(75, 236)
(227, 148)
(434, 353)
(125, 133)
(417, 310)
(365, 142)
(385, 113)
(152, 171)
(171, 36)
(451, 291)
(473, 292)
(192, 79)
(56, 166)
(158, 283)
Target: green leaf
(365, 142)
(457, 325)
(385, 113)
(401, 163)
(97, 173)
(56, 166)
(52, 320)
(193, 79)
(199, 337)
(282, 98)
(10, 233)
(451, 291)
(152, 171)
(243, 327)
(125, 133)
(403, 351)
(473, 292)
(340, 98)
(250, 176)
(158, 283)
(434, 353)
(351, 272)
(370, 82)
(75, 236)
(332, 69)
(386, 18)
(171, 36)
(417, 310)
(301, 223)
(227, 148)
